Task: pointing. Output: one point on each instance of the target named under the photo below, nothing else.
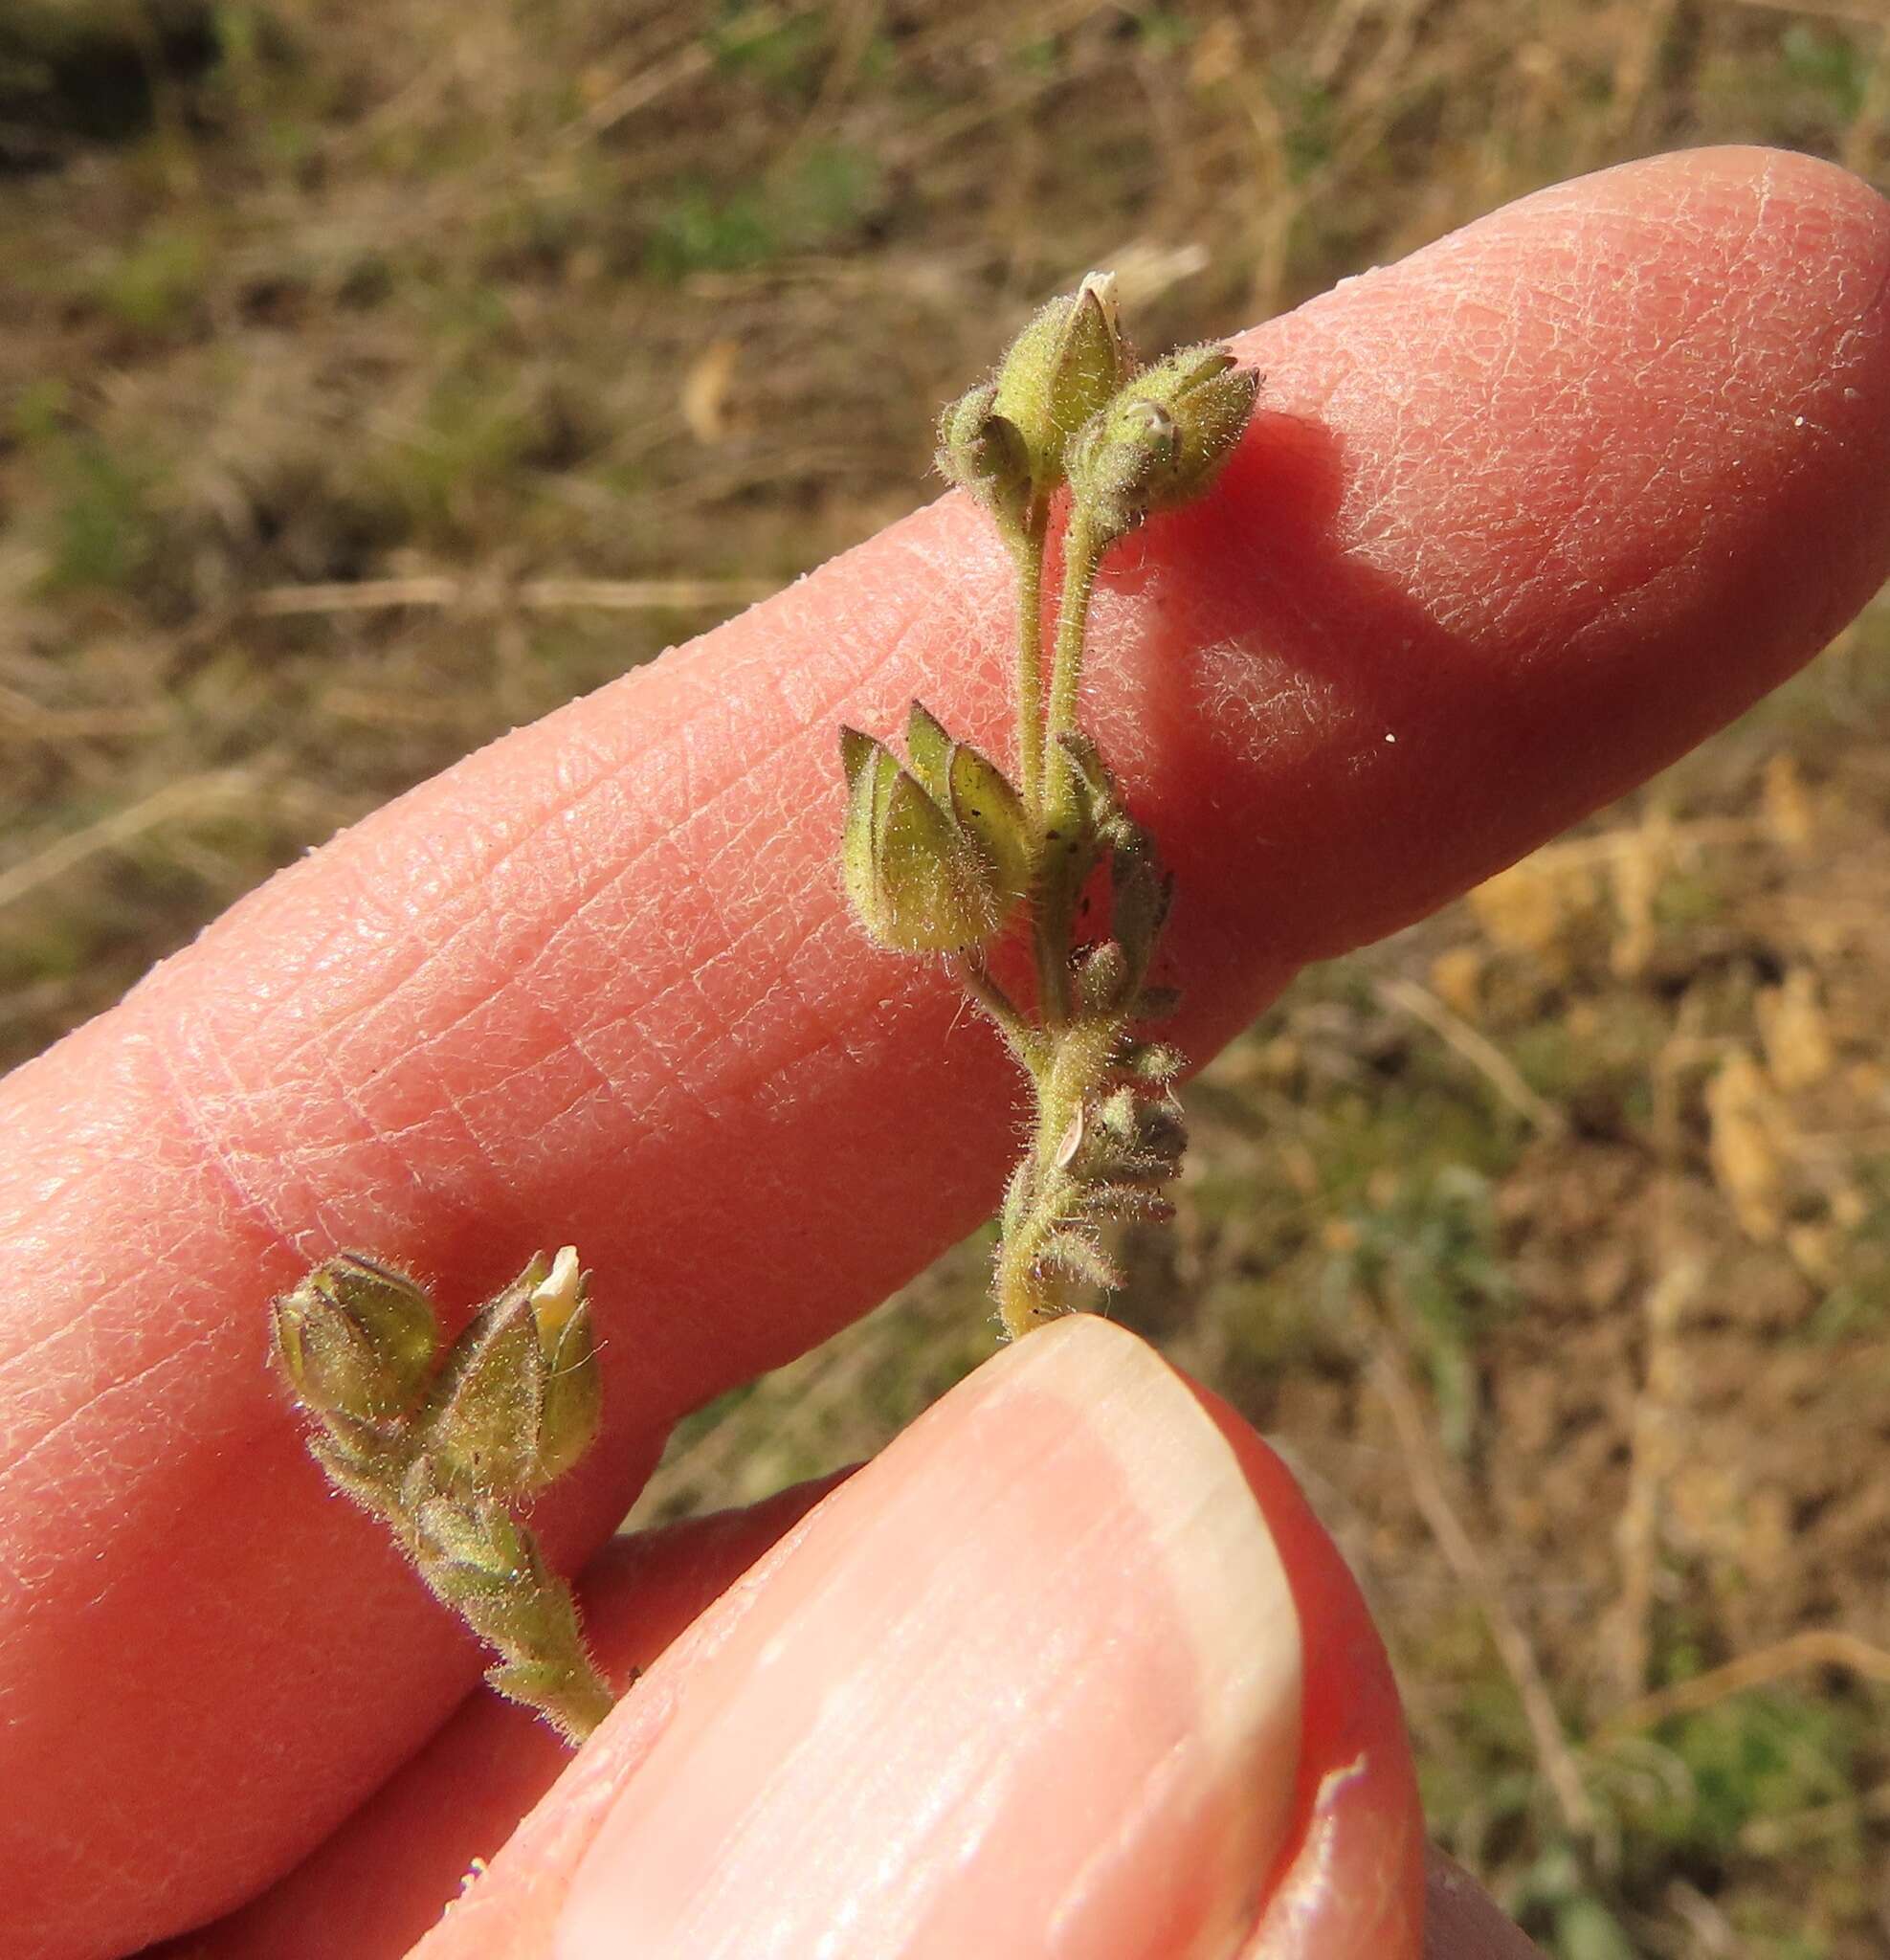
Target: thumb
(1069, 1670)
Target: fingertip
(1523, 517)
(1033, 1678)
(1350, 1879)
(1070, 1668)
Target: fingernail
(1028, 1685)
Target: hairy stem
(1044, 1195)
(949, 858)
(1083, 555)
(484, 1564)
(1028, 549)
(1020, 1037)
(1063, 859)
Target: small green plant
(1430, 1255)
(806, 204)
(104, 528)
(442, 1442)
(946, 855)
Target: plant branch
(1083, 556)
(437, 1441)
(1028, 550)
(943, 855)
(975, 977)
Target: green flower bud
(982, 453)
(573, 1382)
(357, 1340)
(922, 876)
(1063, 368)
(485, 1430)
(1103, 977)
(1154, 1062)
(1160, 442)
(521, 1393)
(1142, 895)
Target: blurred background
(374, 379)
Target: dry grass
(372, 380)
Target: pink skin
(378, 1882)
(1544, 503)
(1025, 1670)
(1345, 1878)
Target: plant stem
(1062, 862)
(1028, 549)
(1049, 939)
(551, 1670)
(1082, 555)
(574, 1703)
(1044, 1192)
(515, 1604)
(1022, 1040)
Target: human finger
(375, 1887)
(1068, 1670)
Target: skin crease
(1544, 502)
